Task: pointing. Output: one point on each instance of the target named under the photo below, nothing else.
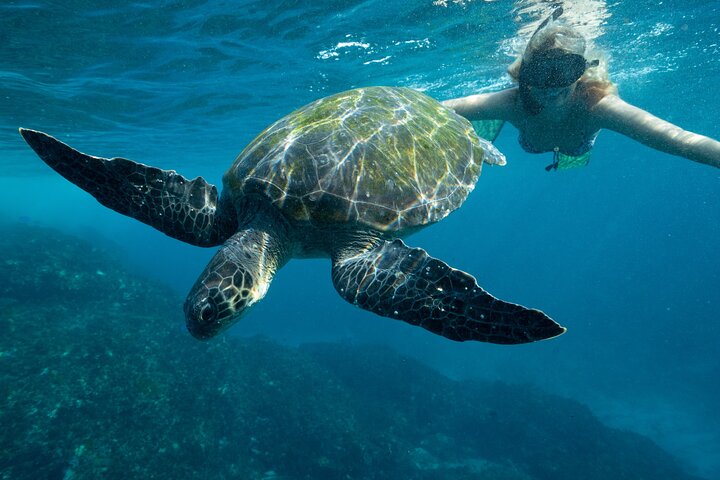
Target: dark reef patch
(99, 380)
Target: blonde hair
(594, 84)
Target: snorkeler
(563, 99)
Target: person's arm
(485, 106)
(615, 114)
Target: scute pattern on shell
(388, 158)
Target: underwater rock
(43, 265)
(98, 379)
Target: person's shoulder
(506, 95)
(500, 95)
(613, 113)
(607, 109)
(503, 103)
(508, 101)
(494, 105)
(608, 101)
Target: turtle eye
(207, 313)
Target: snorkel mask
(554, 68)
(558, 66)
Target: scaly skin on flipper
(396, 281)
(180, 208)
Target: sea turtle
(343, 177)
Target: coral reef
(98, 379)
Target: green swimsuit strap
(488, 129)
(563, 161)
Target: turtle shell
(387, 158)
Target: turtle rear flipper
(396, 281)
(178, 207)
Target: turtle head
(237, 277)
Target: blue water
(623, 252)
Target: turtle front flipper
(396, 281)
(180, 208)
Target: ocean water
(623, 252)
